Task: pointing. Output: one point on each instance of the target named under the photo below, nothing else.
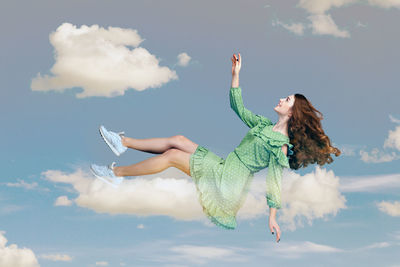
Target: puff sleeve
(248, 117)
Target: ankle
(117, 171)
(124, 141)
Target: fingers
(278, 233)
(277, 230)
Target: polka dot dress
(222, 185)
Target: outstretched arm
(235, 96)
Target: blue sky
(162, 68)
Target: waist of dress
(250, 167)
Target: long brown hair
(310, 143)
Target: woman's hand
(236, 64)
(273, 224)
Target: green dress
(222, 184)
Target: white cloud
(183, 59)
(377, 245)
(324, 24)
(101, 263)
(62, 201)
(392, 209)
(376, 156)
(23, 184)
(371, 183)
(392, 142)
(321, 7)
(16, 257)
(306, 247)
(313, 195)
(100, 61)
(393, 119)
(296, 28)
(393, 139)
(56, 257)
(140, 226)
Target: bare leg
(171, 158)
(150, 145)
(160, 145)
(148, 166)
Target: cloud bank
(314, 195)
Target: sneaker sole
(105, 140)
(101, 178)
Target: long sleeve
(248, 117)
(274, 178)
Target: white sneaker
(106, 174)
(113, 140)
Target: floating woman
(295, 141)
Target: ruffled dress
(223, 184)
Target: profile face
(285, 105)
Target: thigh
(183, 143)
(179, 159)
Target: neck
(282, 125)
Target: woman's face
(285, 105)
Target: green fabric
(223, 184)
(261, 147)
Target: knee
(171, 154)
(178, 139)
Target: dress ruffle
(211, 209)
(274, 142)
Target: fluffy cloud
(100, 61)
(322, 22)
(13, 256)
(314, 195)
(393, 209)
(393, 139)
(376, 156)
(391, 142)
(183, 59)
(63, 201)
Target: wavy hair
(310, 143)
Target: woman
(223, 184)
